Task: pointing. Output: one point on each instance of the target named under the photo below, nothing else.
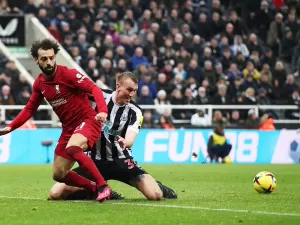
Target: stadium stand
(219, 52)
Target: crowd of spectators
(14, 88)
(184, 52)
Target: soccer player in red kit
(66, 90)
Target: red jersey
(67, 94)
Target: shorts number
(81, 126)
(130, 163)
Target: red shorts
(91, 129)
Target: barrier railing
(210, 108)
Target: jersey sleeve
(79, 81)
(30, 108)
(136, 120)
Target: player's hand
(6, 130)
(121, 142)
(101, 117)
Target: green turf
(204, 189)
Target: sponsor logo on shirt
(107, 129)
(58, 102)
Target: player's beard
(48, 70)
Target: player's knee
(155, 196)
(58, 176)
(55, 195)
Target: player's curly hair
(125, 75)
(44, 44)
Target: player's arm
(81, 82)
(133, 129)
(29, 110)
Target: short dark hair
(125, 75)
(44, 44)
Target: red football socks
(74, 179)
(86, 163)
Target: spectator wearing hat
(161, 100)
(252, 122)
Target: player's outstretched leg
(62, 173)
(75, 149)
(168, 193)
(61, 191)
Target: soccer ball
(264, 182)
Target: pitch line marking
(171, 206)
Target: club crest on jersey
(124, 117)
(57, 89)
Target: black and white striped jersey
(120, 119)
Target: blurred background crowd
(220, 52)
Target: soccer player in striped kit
(112, 153)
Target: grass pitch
(208, 194)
